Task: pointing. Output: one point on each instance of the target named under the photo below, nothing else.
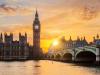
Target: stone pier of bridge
(98, 54)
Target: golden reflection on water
(45, 68)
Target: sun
(55, 43)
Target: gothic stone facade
(11, 50)
(36, 37)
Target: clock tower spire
(36, 31)
(36, 36)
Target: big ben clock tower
(36, 35)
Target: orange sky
(58, 18)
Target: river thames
(45, 67)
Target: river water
(45, 67)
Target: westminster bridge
(80, 54)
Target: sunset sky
(58, 18)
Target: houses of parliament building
(19, 50)
(10, 49)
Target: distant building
(75, 43)
(10, 49)
(96, 40)
(80, 42)
(67, 44)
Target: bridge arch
(57, 57)
(52, 56)
(67, 57)
(48, 56)
(85, 56)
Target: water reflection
(45, 68)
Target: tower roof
(36, 18)
(36, 14)
(97, 36)
(70, 39)
(84, 38)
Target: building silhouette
(79, 42)
(20, 50)
(67, 44)
(13, 50)
(96, 40)
(37, 51)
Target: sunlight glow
(55, 43)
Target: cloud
(14, 10)
(4, 9)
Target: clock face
(36, 27)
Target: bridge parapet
(86, 48)
(91, 49)
(98, 54)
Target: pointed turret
(19, 34)
(97, 36)
(36, 21)
(94, 39)
(36, 14)
(78, 39)
(26, 36)
(1, 38)
(84, 38)
(70, 38)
